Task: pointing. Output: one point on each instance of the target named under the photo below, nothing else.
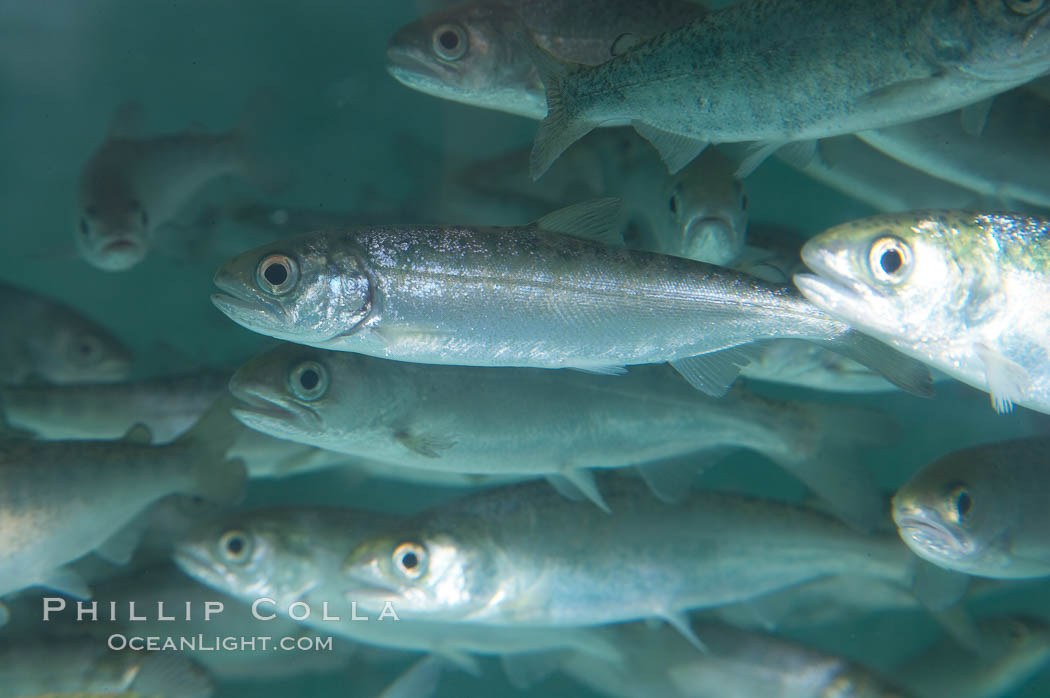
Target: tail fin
(906, 373)
(830, 465)
(560, 129)
(172, 676)
(215, 477)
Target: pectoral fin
(121, 545)
(419, 681)
(426, 445)
(1007, 380)
(975, 116)
(676, 150)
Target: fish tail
(560, 129)
(828, 461)
(215, 477)
(908, 374)
(166, 674)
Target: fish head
(706, 217)
(308, 290)
(958, 517)
(993, 40)
(897, 277)
(434, 575)
(250, 556)
(308, 395)
(113, 228)
(69, 349)
(472, 53)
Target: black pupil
(235, 545)
(276, 273)
(409, 561)
(891, 261)
(673, 204)
(309, 379)
(449, 40)
(963, 503)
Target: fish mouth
(245, 308)
(411, 67)
(926, 534)
(712, 236)
(269, 412)
(198, 566)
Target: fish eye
(277, 274)
(1025, 7)
(308, 380)
(236, 547)
(449, 42)
(672, 204)
(410, 560)
(890, 260)
(86, 350)
(959, 504)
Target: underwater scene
(569, 348)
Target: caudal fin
(908, 374)
(561, 128)
(215, 477)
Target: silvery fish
(1015, 648)
(523, 556)
(62, 500)
(737, 664)
(74, 665)
(528, 296)
(478, 53)
(54, 343)
(293, 555)
(963, 292)
(560, 425)
(981, 510)
(133, 186)
(779, 71)
(851, 166)
(1002, 158)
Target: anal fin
(577, 484)
(713, 373)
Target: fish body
(523, 556)
(83, 666)
(62, 500)
(457, 419)
(477, 53)
(54, 343)
(736, 664)
(132, 186)
(292, 555)
(1005, 160)
(981, 510)
(849, 165)
(776, 72)
(507, 297)
(963, 292)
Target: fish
(295, 555)
(1002, 157)
(960, 291)
(523, 556)
(477, 53)
(981, 510)
(737, 664)
(777, 72)
(61, 500)
(168, 406)
(526, 296)
(1016, 648)
(851, 166)
(699, 213)
(78, 665)
(134, 185)
(54, 342)
(561, 425)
